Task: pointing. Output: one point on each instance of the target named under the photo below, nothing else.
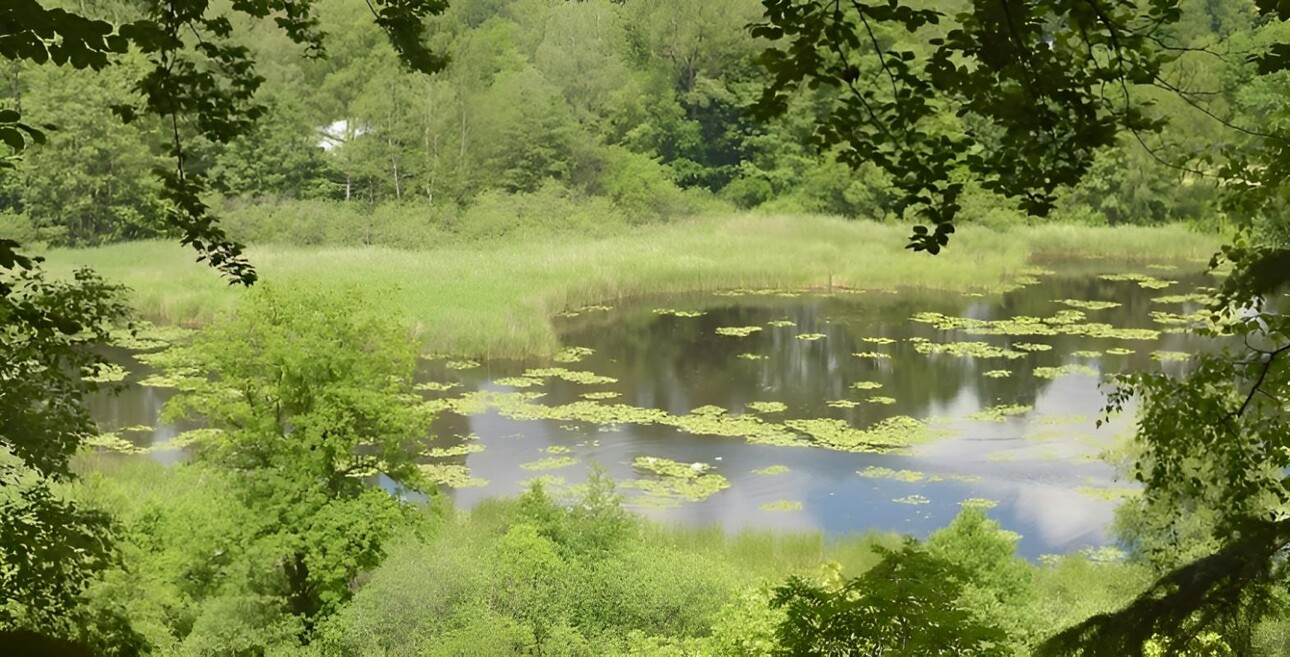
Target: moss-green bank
(497, 300)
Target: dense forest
(600, 113)
(480, 167)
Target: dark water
(1039, 466)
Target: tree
(51, 547)
(310, 394)
(1036, 89)
(907, 605)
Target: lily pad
(912, 499)
(1086, 304)
(435, 386)
(997, 374)
(751, 356)
(451, 474)
(772, 470)
(603, 394)
(810, 337)
(573, 354)
(877, 472)
(781, 323)
(678, 313)
(781, 505)
(878, 399)
(550, 463)
(866, 385)
(767, 406)
(1064, 370)
(1000, 413)
(878, 355)
(738, 331)
(461, 364)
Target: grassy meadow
(496, 299)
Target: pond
(832, 410)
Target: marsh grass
(498, 299)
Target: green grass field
(497, 300)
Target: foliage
(312, 394)
(51, 546)
(906, 605)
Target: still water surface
(1040, 465)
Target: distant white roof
(336, 133)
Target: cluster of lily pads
(891, 434)
(668, 483)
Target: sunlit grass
(498, 300)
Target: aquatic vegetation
(1084, 304)
(572, 354)
(105, 373)
(461, 364)
(1175, 319)
(603, 394)
(1159, 267)
(1195, 297)
(1032, 346)
(519, 381)
(1144, 281)
(871, 354)
(967, 479)
(879, 340)
(781, 505)
(752, 356)
(965, 349)
(738, 331)
(708, 410)
(1169, 356)
(889, 434)
(810, 336)
(550, 463)
(1064, 370)
(137, 428)
(866, 385)
(557, 449)
(771, 470)
(1064, 322)
(453, 475)
(781, 322)
(978, 503)
(678, 313)
(436, 386)
(456, 450)
(767, 406)
(1119, 351)
(1109, 494)
(586, 378)
(878, 472)
(843, 403)
(146, 336)
(997, 374)
(878, 399)
(1088, 354)
(912, 499)
(693, 482)
(1000, 413)
(113, 442)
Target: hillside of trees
(576, 114)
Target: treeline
(577, 113)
